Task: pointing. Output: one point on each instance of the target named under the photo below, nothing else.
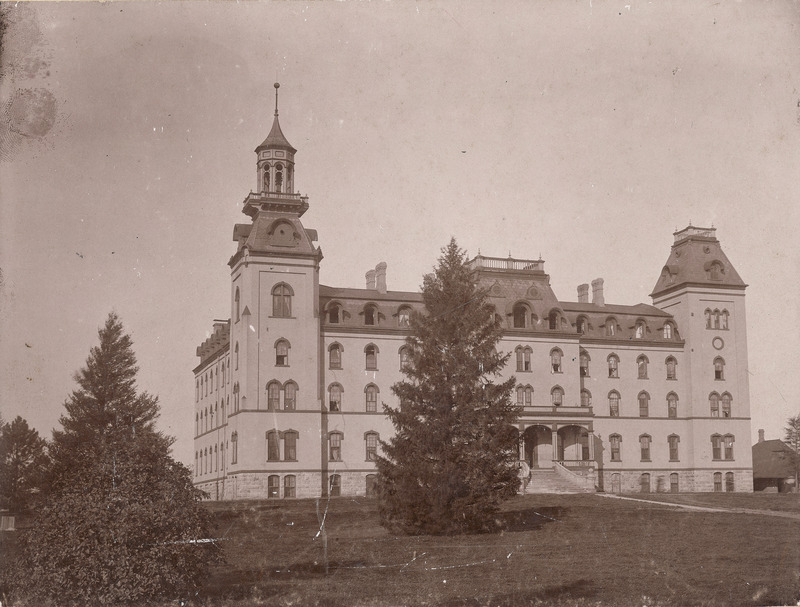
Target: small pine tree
(123, 519)
(792, 438)
(23, 464)
(453, 457)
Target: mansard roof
(697, 259)
(369, 294)
(640, 309)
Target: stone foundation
(255, 485)
(689, 481)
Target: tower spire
(277, 85)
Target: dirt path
(777, 513)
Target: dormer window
(715, 270)
(668, 331)
(641, 329)
(404, 316)
(370, 315)
(334, 315)
(520, 314)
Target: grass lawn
(556, 550)
(783, 502)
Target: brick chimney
(761, 435)
(583, 293)
(597, 292)
(380, 277)
(371, 279)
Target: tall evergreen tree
(453, 457)
(106, 407)
(23, 464)
(123, 523)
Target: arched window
(404, 316)
(290, 445)
(370, 315)
(336, 485)
(727, 441)
(371, 441)
(555, 360)
(668, 330)
(372, 485)
(335, 397)
(289, 486)
(236, 356)
(520, 314)
(616, 484)
(641, 366)
(282, 300)
(718, 481)
(724, 320)
(236, 304)
(719, 368)
(273, 486)
(523, 358)
(266, 178)
(528, 396)
(335, 446)
(223, 373)
(613, 403)
(713, 404)
(644, 446)
(611, 327)
(557, 396)
(716, 319)
(673, 483)
(197, 390)
(584, 362)
(644, 482)
(196, 469)
(644, 404)
(613, 365)
(672, 441)
(334, 314)
(672, 405)
(641, 329)
(282, 353)
(615, 443)
(197, 424)
(707, 314)
(405, 357)
(582, 325)
(273, 396)
(273, 446)
(234, 447)
(715, 270)
(335, 356)
(206, 391)
(672, 368)
(729, 481)
(726, 404)
(278, 177)
(586, 398)
(290, 396)
(520, 396)
(371, 355)
(553, 319)
(371, 392)
(716, 447)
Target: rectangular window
(290, 447)
(644, 443)
(673, 448)
(717, 481)
(273, 453)
(372, 447)
(336, 485)
(289, 397)
(728, 448)
(273, 485)
(716, 447)
(335, 441)
(673, 482)
(615, 449)
(289, 485)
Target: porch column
(554, 438)
(521, 442)
(591, 446)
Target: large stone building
(618, 398)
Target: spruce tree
(453, 457)
(123, 523)
(23, 464)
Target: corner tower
(700, 287)
(273, 421)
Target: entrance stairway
(547, 480)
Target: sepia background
(584, 132)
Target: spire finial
(277, 86)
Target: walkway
(777, 513)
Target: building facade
(618, 398)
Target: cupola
(275, 160)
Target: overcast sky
(584, 132)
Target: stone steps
(549, 481)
